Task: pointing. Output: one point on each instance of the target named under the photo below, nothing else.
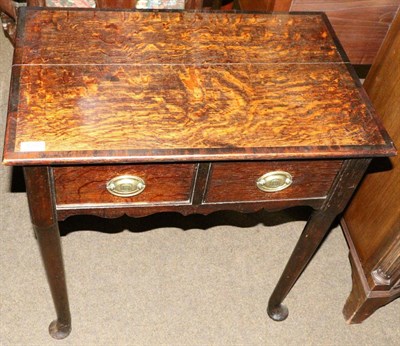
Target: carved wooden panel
(387, 272)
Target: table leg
(42, 209)
(316, 228)
(312, 236)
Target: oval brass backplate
(126, 185)
(274, 181)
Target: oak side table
(138, 112)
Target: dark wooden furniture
(124, 112)
(372, 221)
(360, 25)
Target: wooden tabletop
(91, 86)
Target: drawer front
(160, 183)
(237, 182)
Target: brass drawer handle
(126, 186)
(274, 181)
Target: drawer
(237, 181)
(152, 183)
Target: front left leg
(44, 220)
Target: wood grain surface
(119, 86)
(111, 107)
(126, 37)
